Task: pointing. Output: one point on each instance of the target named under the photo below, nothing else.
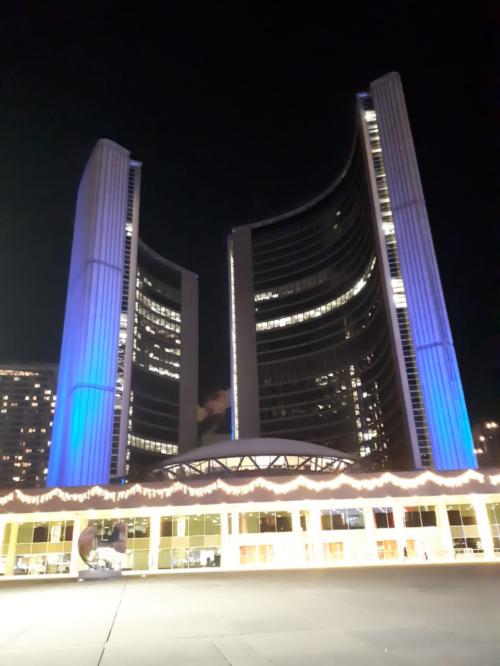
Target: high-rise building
(109, 326)
(27, 399)
(339, 329)
(164, 386)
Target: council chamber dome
(254, 456)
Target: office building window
(188, 542)
(265, 521)
(333, 551)
(383, 517)
(342, 519)
(261, 554)
(461, 514)
(42, 547)
(494, 520)
(464, 530)
(420, 516)
(387, 550)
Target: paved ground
(431, 615)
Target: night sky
(238, 115)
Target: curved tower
(339, 331)
(110, 315)
(164, 386)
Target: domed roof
(252, 456)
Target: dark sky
(237, 115)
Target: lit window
(314, 313)
(420, 516)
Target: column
(371, 550)
(399, 526)
(11, 552)
(225, 539)
(154, 540)
(75, 563)
(299, 555)
(484, 529)
(233, 550)
(315, 533)
(444, 528)
(3, 526)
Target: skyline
(220, 158)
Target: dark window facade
(265, 521)
(383, 517)
(420, 516)
(327, 368)
(156, 363)
(342, 519)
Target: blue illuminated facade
(91, 401)
(445, 409)
(128, 373)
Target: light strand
(387, 478)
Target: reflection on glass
(461, 514)
(387, 550)
(188, 558)
(42, 547)
(265, 521)
(342, 519)
(261, 554)
(384, 517)
(333, 551)
(420, 516)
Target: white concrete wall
(297, 548)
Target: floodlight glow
(83, 422)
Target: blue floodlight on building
(445, 409)
(85, 412)
(129, 360)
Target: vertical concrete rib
(244, 377)
(445, 408)
(188, 389)
(81, 442)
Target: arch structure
(339, 331)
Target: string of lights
(116, 496)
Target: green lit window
(259, 522)
(42, 547)
(464, 530)
(190, 541)
(342, 519)
(138, 540)
(493, 511)
(420, 516)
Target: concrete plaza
(445, 614)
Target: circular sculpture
(101, 553)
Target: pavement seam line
(220, 652)
(113, 622)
